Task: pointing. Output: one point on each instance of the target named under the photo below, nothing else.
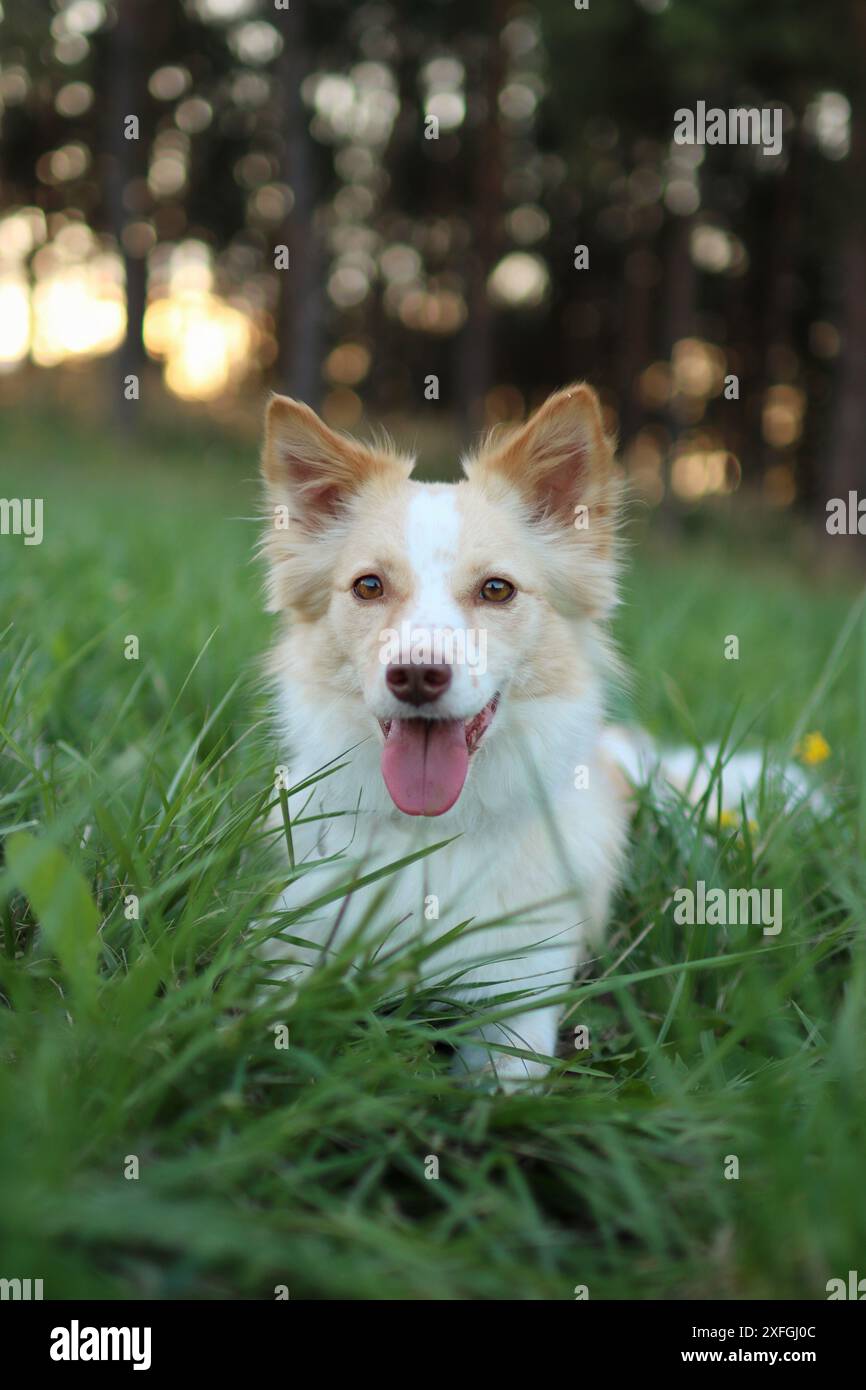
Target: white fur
(526, 834)
(691, 771)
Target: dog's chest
(523, 881)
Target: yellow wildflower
(813, 749)
(731, 820)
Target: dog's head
(431, 608)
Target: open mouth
(425, 761)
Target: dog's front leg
(534, 1031)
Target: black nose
(418, 685)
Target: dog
(502, 757)
(445, 654)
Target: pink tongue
(424, 764)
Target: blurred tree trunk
(846, 469)
(781, 252)
(847, 464)
(680, 282)
(638, 296)
(127, 163)
(680, 317)
(475, 354)
(741, 360)
(301, 301)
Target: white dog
(446, 646)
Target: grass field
(138, 1045)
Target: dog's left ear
(560, 465)
(561, 461)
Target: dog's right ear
(311, 469)
(312, 474)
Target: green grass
(261, 1166)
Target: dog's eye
(368, 586)
(497, 590)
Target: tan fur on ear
(560, 465)
(312, 474)
(315, 468)
(559, 460)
